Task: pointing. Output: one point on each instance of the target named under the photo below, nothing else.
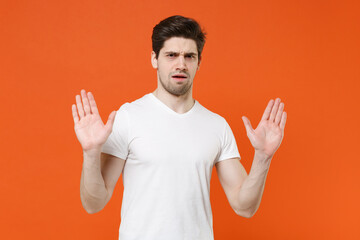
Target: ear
(198, 67)
(153, 60)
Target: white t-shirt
(169, 160)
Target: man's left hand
(267, 136)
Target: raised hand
(267, 136)
(89, 128)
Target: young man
(166, 144)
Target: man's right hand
(89, 128)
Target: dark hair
(177, 26)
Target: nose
(181, 65)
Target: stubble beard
(177, 90)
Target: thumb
(110, 121)
(247, 124)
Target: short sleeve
(117, 143)
(228, 144)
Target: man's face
(176, 65)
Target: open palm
(267, 136)
(89, 128)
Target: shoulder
(211, 121)
(136, 105)
(130, 111)
(210, 115)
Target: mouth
(179, 77)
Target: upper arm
(111, 168)
(231, 174)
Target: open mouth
(179, 79)
(179, 76)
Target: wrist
(262, 159)
(260, 165)
(91, 153)
(262, 156)
(92, 157)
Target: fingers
(274, 109)
(279, 113)
(93, 106)
(74, 113)
(283, 121)
(110, 121)
(79, 106)
(275, 112)
(83, 107)
(249, 128)
(85, 102)
(268, 110)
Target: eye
(190, 56)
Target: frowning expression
(176, 65)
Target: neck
(180, 104)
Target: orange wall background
(305, 52)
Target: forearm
(250, 193)
(93, 191)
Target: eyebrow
(188, 53)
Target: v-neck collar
(168, 109)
